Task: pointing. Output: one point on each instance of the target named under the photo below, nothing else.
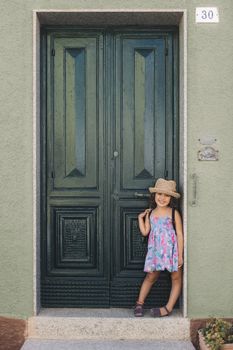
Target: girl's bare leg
(150, 279)
(176, 278)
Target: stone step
(107, 324)
(106, 345)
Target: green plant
(217, 332)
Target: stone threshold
(97, 312)
(106, 324)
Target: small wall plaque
(207, 140)
(208, 153)
(207, 15)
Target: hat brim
(159, 190)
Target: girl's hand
(180, 262)
(144, 222)
(144, 213)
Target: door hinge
(165, 174)
(166, 51)
(53, 52)
(52, 175)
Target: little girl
(165, 245)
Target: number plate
(207, 15)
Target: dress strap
(173, 219)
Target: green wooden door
(109, 129)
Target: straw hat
(165, 186)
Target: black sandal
(138, 310)
(155, 312)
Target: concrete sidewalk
(33, 344)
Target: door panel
(142, 136)
(76, 129)
(142, 111)
(74, 244)
(108, 133)
(73, 241)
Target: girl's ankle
(139, 302)
(168, 309)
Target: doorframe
(48, 16)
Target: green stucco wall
(210, 106)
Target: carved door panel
(109, 129)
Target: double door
(109, 129)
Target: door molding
(156, 17)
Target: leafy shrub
(217, 332)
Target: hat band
(169, 192)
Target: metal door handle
(136, 194)
(194, 194)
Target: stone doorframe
(107, 17)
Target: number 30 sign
(207, 15)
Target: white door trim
(40, 16)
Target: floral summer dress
(162, 251)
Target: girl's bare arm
(144, 222)
(180, 239)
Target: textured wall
(210, 105)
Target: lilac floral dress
(162, 251)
